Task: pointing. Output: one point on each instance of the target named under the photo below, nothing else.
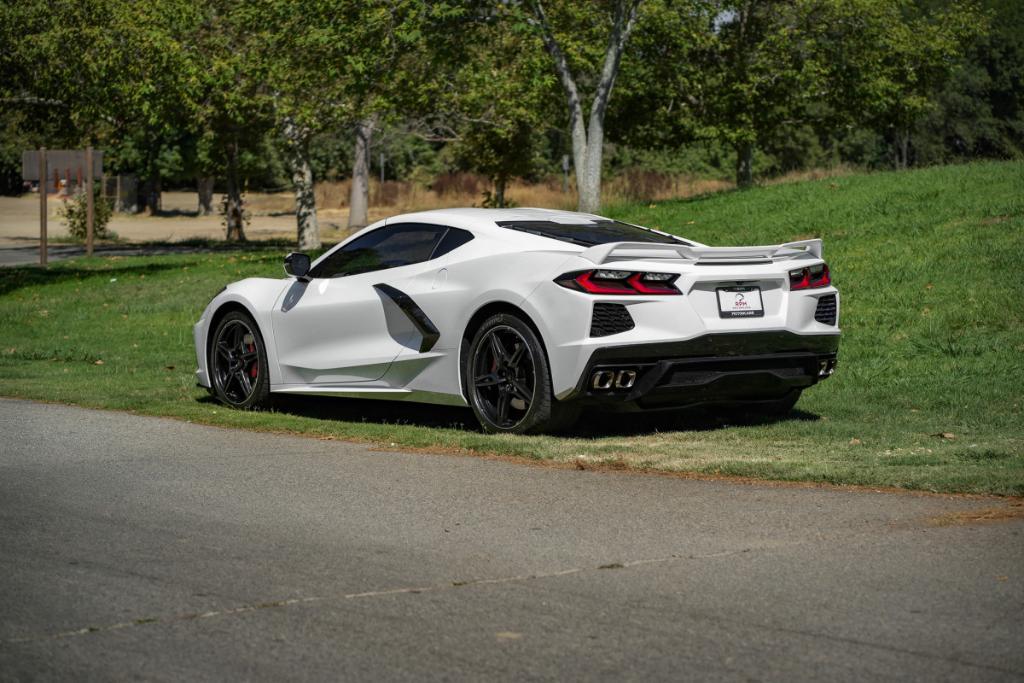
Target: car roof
(477, 219)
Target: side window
(396, 245)
(453, 239)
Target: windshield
(590, 233)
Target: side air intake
(610, 319)
(826, 311)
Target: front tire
(508, 380)
(239, 371)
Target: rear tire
(508, 380)
(239, 371)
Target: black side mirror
(297, 265)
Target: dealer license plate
(740, 302)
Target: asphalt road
(139, 548)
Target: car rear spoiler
(702, 254)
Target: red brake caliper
(255, 370)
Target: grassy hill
(928, 394)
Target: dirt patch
(1011, 511)
(620, 466)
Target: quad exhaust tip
(603, 380)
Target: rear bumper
(710, 369)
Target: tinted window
(453, 239)
(589, 234)
(388, 247)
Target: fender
(244, 293)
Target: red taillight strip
(632, 285)
(664, 287)
(586, 281)
(801, 279)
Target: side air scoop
(429, 333)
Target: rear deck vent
(610, 319)
(826, 311)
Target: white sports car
(527, 315)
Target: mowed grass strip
(928, 394)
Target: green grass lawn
(929, 263)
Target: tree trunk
(588, 176)
(499, 191)
(152, 193)
(902, 150)
(308, 228)
(744, 164)
(588, 137)
(359, 199)
(585, 191)
(234, 218)
(204, 187)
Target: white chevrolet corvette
(528, 315)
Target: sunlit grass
(928, 263)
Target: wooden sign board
(60, 160)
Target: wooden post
(42, 207)
(89, 211)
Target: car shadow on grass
(17, 277)
(591, 425)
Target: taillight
(810, 278)
(620, 282)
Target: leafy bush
(74, 214)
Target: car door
(340, 327)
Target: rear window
(588, 234)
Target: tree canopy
(182, 92)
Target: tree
(569, 33)
(337, 64)
(979, 110)
(759, 72)
(415, 47)
(231, 104)
(766, 77)
(887, 60)
(308, 47)
(96, 70)
(499, 102)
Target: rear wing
(701, 254)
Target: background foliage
(180, 90)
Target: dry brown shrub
(637, 184)
(390, 192)
(837, 171)
(270, 203)
(448, 184)
(333, 194)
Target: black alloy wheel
(238, 362)
(508, 382)
(504, 377)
